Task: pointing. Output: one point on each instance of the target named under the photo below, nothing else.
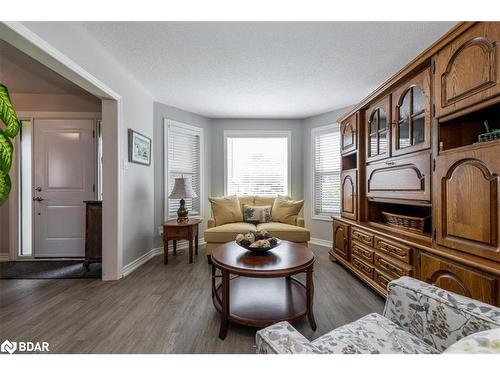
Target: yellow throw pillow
(286, 210)
(226, 209)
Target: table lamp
(182, 189)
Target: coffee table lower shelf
(260, 302)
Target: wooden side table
(173, 230)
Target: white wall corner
(135, 264)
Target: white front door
(64, 177)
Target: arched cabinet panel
(378, 130)
(341, 239)
(458, 279)
(349, 192)
(411, 115)
(467, 188)
(348, 134)
(468, 69)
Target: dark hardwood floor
(159, 309)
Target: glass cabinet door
(377, 130)
(412, 115)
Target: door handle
(38, 199)
(39, 189)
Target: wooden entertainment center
(420, 196)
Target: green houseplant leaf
(12, 126)
(8, 114)
(6, 152)
(5, 186)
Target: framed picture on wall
(139, 148)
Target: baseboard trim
(135, 264)
(4, 257)
(320, 242)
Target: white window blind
(183, 160)
(326, 173)
(257, 165)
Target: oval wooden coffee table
(259, 289)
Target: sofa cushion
(226, 209)
(372, 334)
(256, 214)
(245, 200)
(285, 231)
(484, 342)
(227, 232)
(286, 210)
(264, 201)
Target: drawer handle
(362, 236)
(388, 266)
(362, 252)
(362, 267)
(382, 280)
(392, 249)
(390, 162)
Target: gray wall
(162, 111)
(218, 127)
(320, 229)
(136, 113)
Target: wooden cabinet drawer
(361, 236)
(173, 232)
(362, 266)
(458, 279)
(390, 267)
(362, 252)
(341, 239)
(396, 250)
(381, 279)
(404, 177)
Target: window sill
(321, 218)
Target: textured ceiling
(263, 69)
(23, 74)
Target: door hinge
(434, 235)
(434, 165)
(93, 133)
(433, 110)
(93, 188)
(433, 66)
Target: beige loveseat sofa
(219, 234)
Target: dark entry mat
(65, 269)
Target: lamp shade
(182, 189)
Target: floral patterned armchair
(417, 318)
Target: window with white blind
(183, 159)
(257, 163)
(326, 171)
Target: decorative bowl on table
(257, 242)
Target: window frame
(166, 124)
(315, 132)
(260, 134)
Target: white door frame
(30, 43)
